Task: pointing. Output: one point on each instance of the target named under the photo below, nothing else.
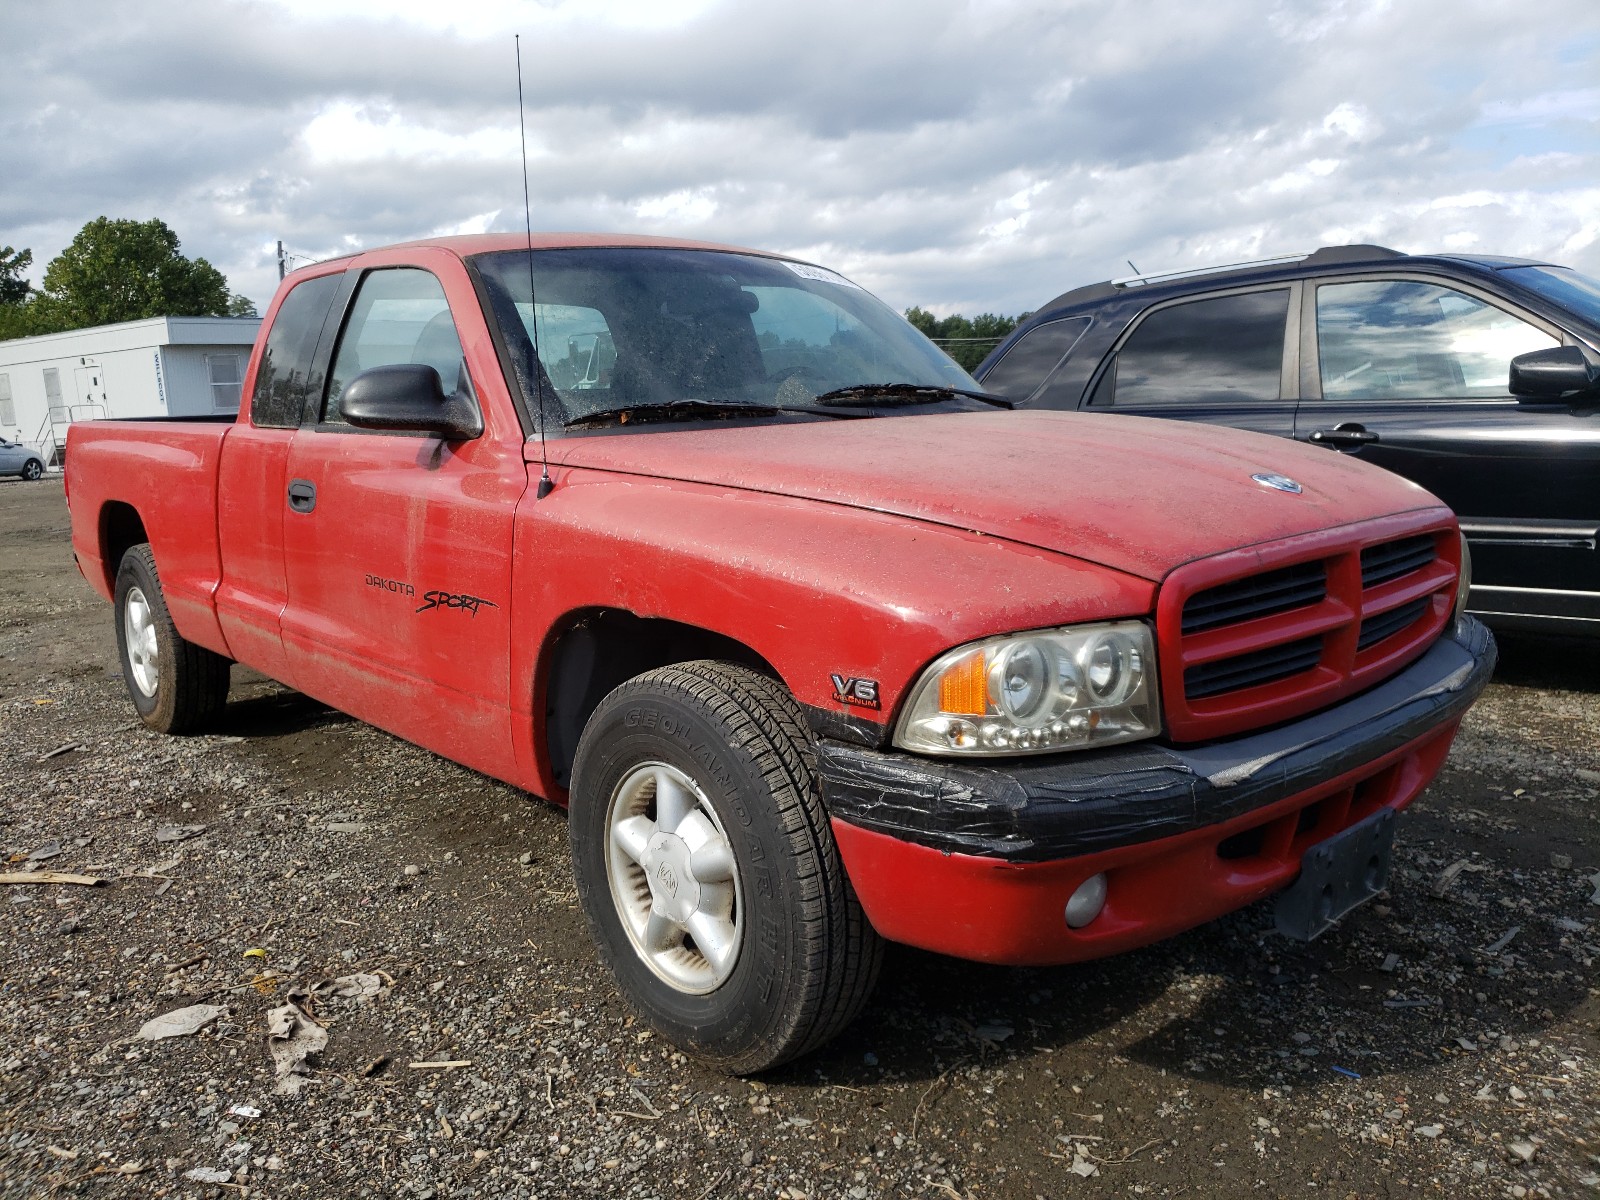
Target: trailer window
(223, 372)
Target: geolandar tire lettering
(176, 686)
(707, 870)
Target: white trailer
(157, 367)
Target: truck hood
(1138, 495)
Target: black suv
(1477, 377)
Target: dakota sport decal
(437, 599)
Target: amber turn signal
(964, 686)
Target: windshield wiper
(693, 407)
(907, 393)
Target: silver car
(18, 459)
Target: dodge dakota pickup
(819, 644)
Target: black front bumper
(1038, 809)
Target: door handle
(1341, 436)
(302, 495)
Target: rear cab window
(287, 376)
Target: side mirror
(1562, 372)
(409, 397)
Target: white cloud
(682, 207)
(478, 223)
(351, 133)
(1353, 121)
(1580, 104)
(487, 18)
(965, 155)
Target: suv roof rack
(1188, 272)
(1325, 255)
(1359, 252)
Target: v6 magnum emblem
(863, 693)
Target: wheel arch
(120, 529)
(592, 650)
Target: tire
(176, 686)
(744, 846)
(32, 469)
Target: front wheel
(707, 869)
(32, 469)
(176, 686)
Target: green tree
(923, 320)
(17, 320)
(966, 341)
(14, 289)
(16, 313)
(119, 270)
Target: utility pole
(282, 260)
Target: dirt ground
(1443, 1041)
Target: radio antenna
(545, 482)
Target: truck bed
(155, 480)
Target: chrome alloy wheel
(139, 633)
(673, 878)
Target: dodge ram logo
(1278, 483)
(669, 881)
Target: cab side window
(1397, 339)
(285, 375)
(399, 315)
(1221, 350)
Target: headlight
(1031, 693)
(1464, 584)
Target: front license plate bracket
(1338, 875)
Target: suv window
(1025, 366)
(1397, 339)
(1219, 350)
(400, 315)
(283, 378)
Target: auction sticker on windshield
(806, 271)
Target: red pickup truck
(817, 642)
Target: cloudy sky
(969, 157)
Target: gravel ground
(1443, 1041)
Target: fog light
(1087, 901)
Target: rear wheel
(32, 469)
(707, 869)
(176, 686)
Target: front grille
(1253, 669)
(1256, 596)
(1375, 629)
(1264, 635)
(1379, 564)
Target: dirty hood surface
(1138, 495)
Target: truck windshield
(640, 328)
